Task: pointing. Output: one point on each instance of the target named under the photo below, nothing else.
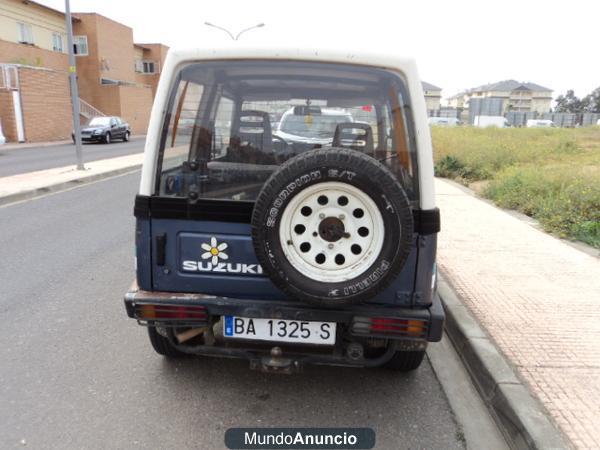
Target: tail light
(389, 327)
(171, 313)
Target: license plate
(279, 330)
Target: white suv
(315, 128)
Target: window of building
(80, 45)
(148, 66)
(57, 42)
(145, 66)
(25, 33)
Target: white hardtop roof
(239, 51)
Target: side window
(223, 121)
(182, 123)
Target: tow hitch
(276, 363)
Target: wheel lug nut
(330, 246)
(321, 216)
(342, 217)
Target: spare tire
(332, 227)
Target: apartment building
(115, 76)
(514, 95)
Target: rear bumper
(432, 316)
(92, 138)
(355, 324)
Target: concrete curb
(57, 187)
(521, 418)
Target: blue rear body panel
(187, 264)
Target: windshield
(230, 124)
(312, 126)
(99, 122)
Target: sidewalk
(28, 185)
(25, 145)
(537, 297)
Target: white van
(490, 121)
(540, 123)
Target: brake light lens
(170, 312)
(390, 327)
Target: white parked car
(540, 123)
(444, 121)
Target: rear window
(229, 125)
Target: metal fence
(516, 118)
(445, 112)
(519, 119)
(590, 119)
(491, 106)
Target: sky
(458, 44)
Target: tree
(591, 102)
(568, 103)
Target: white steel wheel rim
(360, 245)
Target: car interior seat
(251, 138)
(354, 135)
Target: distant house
(514, 95)
(433, 95)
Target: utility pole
(74, 90)
(258, 25)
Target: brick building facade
(115, 76)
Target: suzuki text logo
(211, 257)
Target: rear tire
(405, 361)
(126, 137)
(107, 138)
(162, 346)
(332, 227)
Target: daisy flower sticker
(214, 250)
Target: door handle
(161, 244)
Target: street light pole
(258, 25)
(74, 90)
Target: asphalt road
(22, 160)
(75, 372)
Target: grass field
(551, 174)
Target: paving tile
(536, 296)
